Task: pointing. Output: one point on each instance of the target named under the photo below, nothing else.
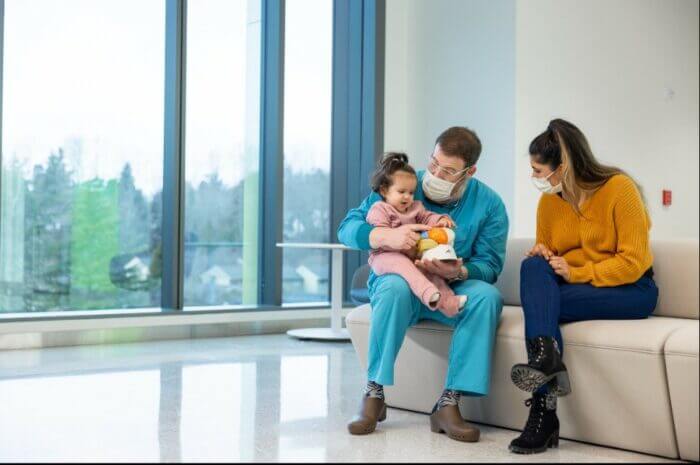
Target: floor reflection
(260, 399)
(217, 417)
(261, 410)
(74, 418)
(304, 387)
(169, 412)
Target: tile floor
(257, 398)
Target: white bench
(635, 383)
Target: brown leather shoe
(448, 420)
(372, 410)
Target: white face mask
(543, 185)
(436, 189)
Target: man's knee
(488, 299)
(390, 288)
(534, 266)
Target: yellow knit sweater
(608, 245)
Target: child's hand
(445, 222)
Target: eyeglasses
(435, 168)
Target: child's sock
(434, 299)
(451, 305)
(462, 301)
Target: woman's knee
(535, 266)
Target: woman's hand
(560, 267)
(445, 222)
(540, 250)
(446, 269)
(400, 239)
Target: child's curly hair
(390, 164)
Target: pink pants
(422, 285)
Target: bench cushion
(675, 272)
(617, 371)
(648, 335)
(681, 354)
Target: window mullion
(173, 147)
(271, 152)
(358, 102)
(2, 61)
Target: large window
(82, 137)
(222, 139)
(142, 163)
(307, 147)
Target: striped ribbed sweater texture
(608, 243)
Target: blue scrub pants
(548, 300)
(395, 309)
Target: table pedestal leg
(335, 332)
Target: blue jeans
(548, 300)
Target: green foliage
(306, 206)
(48, 209)
(94, 239)
(73, 232)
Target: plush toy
(437, 243)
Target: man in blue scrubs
(447, 187)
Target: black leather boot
(544, 366)
(542, 428)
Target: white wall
(506, 68)
(452, 63)
(626, 73)
(396, 79)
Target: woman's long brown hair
(564, 144)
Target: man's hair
(462, 142)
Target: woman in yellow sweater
(591, 261)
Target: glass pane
(221, 204)
(307, 146)
(81, 154)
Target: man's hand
(540, 250)
(560, 267)
(399, 239)
(447, 269)
(411, 253)
(445, 222)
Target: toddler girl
(395, 180)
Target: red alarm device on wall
(666, 197)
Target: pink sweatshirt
(384, 215)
